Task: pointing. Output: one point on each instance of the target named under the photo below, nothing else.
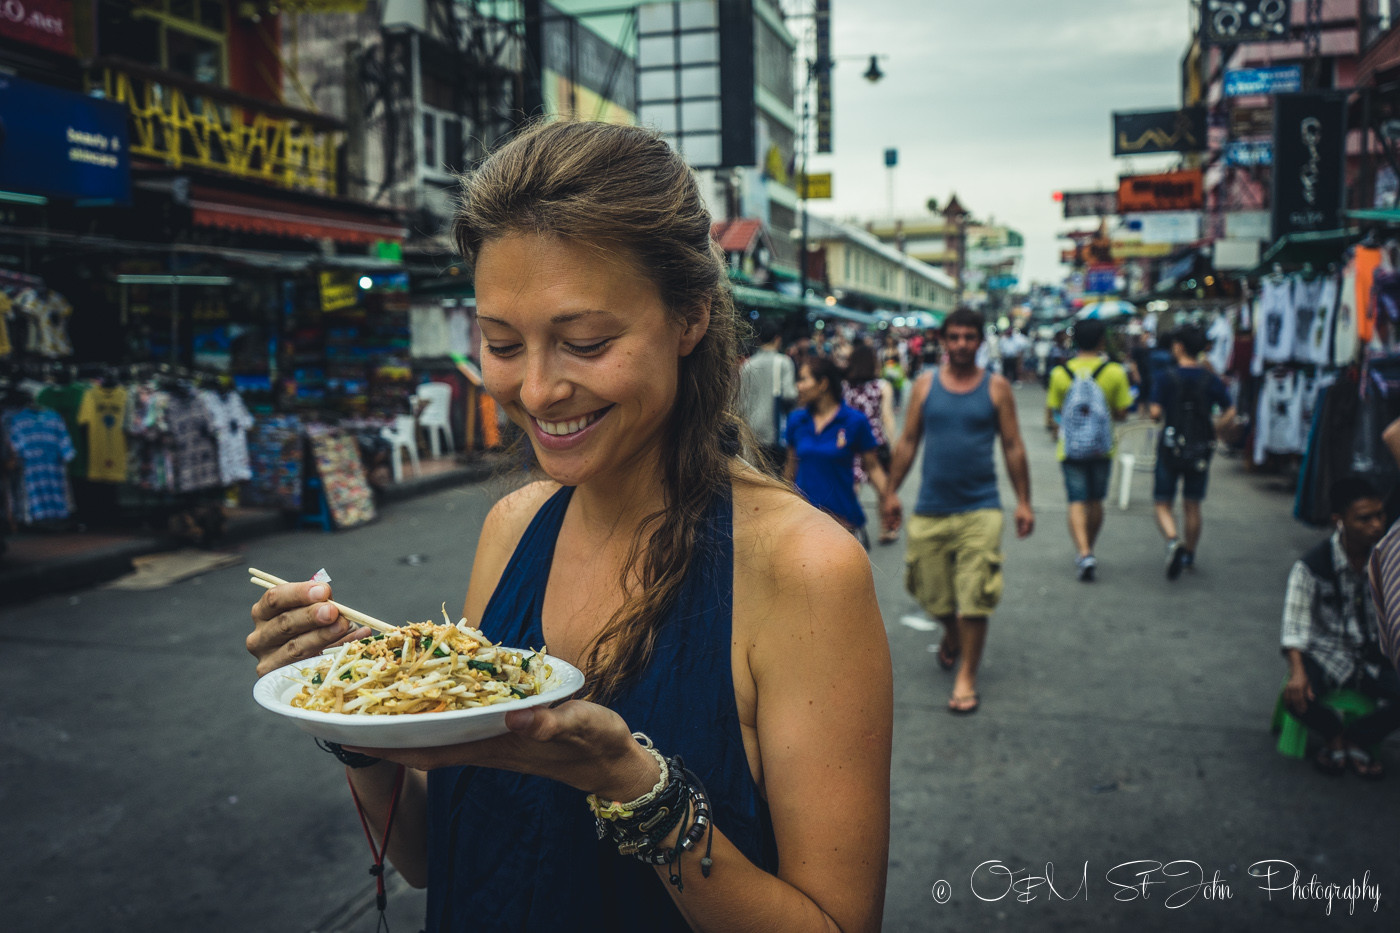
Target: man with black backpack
(1184, 399)
(1088, 392)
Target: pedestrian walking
(825, 439)
(767, 392)
(954, 559)
(869, 393)
(1185, 398)
(1087, 394)
(650, 551)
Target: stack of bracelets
(640, 826)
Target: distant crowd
(824, 412)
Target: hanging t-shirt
(66, 400)
(231, 426)
(40, 440)
(102, 417)
(1222, 343)
(1344, 326)
(1314, 346)
(1307, 295)
(1279, 427)
(196, 453)
(1274, 323)
(1367, 259)
(5, 305)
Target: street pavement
(1123, 724)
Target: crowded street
(1123, 724)
(699, 466)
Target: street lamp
(821, 65)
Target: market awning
(1319, 247)
(250, 213)
(746, 296)
(818, 309)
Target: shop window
(444, 143)
(188, 37)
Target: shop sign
(1247, 225)
(821, 74)
(1101, 280)
(1252, 123)
(1227, 22)
(1166, 227)
(1159, 131)
(816, 187)
(1309, 162)
(1280, 79)
(1236, 254)
(339, 290)
(1168, 191)
(1089, 203)
(45, 23)
(1249, 152)
(62, 145)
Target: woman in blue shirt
(824, 437)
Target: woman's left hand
(578, 743)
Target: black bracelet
(349, 759)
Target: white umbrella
(1105, 310)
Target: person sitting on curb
(1329, 635)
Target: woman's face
(808, 388)
(581, 352)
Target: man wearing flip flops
(953, 562)
(1330, 636)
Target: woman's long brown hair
(622, 189)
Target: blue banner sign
(61, 144)
(1280, 79)
(1250, 152)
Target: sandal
(1330, 761)
(1363, 765)
(964, 705)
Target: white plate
(275, 691)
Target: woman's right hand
(295, 621)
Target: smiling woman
(710, 607)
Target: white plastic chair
(1137, 450)
(402, 436)
(436, 415)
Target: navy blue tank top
(960, 431)
(513, 852)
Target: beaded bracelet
(613, 810)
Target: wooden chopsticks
(267, 581)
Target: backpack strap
(1100, 368)
(1068, 372)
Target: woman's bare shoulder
(781, 541)
(512, 514)
(500, 535)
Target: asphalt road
(1123, 724)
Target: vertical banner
(822, 75)
(1309, 162)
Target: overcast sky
(1002, 101)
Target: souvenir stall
(1325, 368)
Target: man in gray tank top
(953, 562)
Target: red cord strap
(377, 869)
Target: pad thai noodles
(421, 668)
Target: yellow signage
(338, 291)
(816, 187)
(774, 166)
